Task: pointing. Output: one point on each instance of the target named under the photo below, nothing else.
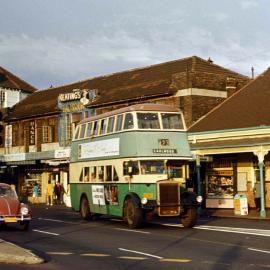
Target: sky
(57, 42)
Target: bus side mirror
(130, 168)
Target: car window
(8, 192)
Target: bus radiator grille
(169, 199)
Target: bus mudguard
(135, 198)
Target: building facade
(235, 140)
(40, 128)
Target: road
(67, 242)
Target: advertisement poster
(103, 148)
(111, 195)
(98, 194)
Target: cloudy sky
(56, 42)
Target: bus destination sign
(164, 151)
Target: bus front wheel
(189, 218)
(85, 209)
(132, 214)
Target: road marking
(57, 220)
(95, 255)
(259, 250)
(142, 253)
(46, 232)
(248, 231)
(132, 258)
(129, 230)
(175, 260)
(60, 253)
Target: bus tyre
(189, 218)
(85, 209)
(132, 214)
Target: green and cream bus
(132, 163)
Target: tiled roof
(155, 80)
(249, 107)
(9, 80)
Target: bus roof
(136, 107)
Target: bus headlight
(144, 201)
(199, 199)
(24, 211)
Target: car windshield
(8, 192)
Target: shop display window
(220, 184)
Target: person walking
(49, 193)
(59, 191)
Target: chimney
(252, 73)
(210, 60)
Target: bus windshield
(148, 121)
(152, 167)
(171, 121)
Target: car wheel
(189, 218)
(132, 214)
(85, 209)
(24, 225)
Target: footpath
(13, 254)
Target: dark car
(12, 211)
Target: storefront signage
(85, 96)
(32, 133)
(64, 153)
(164, 151)
(98, 195)
(14, 157)
(104, 148)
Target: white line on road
(57, 220)
(128, 230)
(142, 253)
(259, 250)
(46, 232)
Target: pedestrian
(49, 193)
(59, 191)
(257, 195)
(35, 192)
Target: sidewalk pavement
(229, 213)
(13, 254)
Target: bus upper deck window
(89, 130)
(110, 125)
(93, 173)
(108, 176)
(86, 174)
(103, 126)
(119, 122)
(82, 133)
(128, 124)
(148, 121)
(172, 121)
(115, 175)
(135, 167)
(77, 132)
(96, 127)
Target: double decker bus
(132, 163)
